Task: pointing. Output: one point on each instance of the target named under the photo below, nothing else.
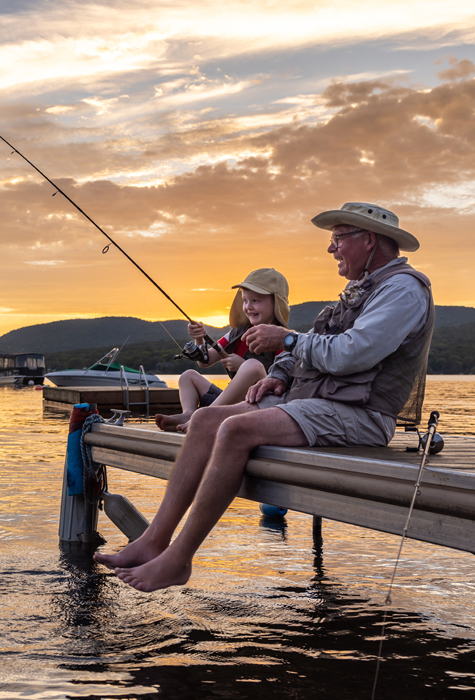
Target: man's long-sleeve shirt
(393, 313)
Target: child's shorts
(210, 396)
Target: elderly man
(343, 383)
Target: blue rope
(93, 474)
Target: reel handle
(433, 420)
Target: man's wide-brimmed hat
(370, 217)
(266, 280)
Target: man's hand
(265, 337)
(269, 385)
(197, 332)
(233, 362)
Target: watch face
(289, 341)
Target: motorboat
(18, 368)
(105, 372)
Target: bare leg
(192, 386)
(236, 437)
(249, 373)
(182, 487)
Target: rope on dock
(94, 474)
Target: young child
(263, 297)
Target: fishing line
(431, 428)
(208, 339)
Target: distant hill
(449, 316)
(302, 315)
(112, 331)
(454, 352)
(82, 333)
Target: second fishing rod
(191, 351)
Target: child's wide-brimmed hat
(370, 217)
(266, 280)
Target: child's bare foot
(170, 423)
(183, 427)
(162, 572)
(134, 554)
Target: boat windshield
(113, 367)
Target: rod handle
(216, 346)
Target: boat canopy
(22, 360)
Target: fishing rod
(203, 357)
(429, 445)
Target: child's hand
(196, 331)
(233, 362)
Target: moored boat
(21, 368)
(105, 372)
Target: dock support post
(78, 518)
(317, 531)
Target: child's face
(259, 308)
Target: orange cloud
(408, 148)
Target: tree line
(452, 352)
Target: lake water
(264, 616)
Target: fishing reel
(197, 353)
(437, 441)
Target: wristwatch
(290, 341)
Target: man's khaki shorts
(333, 422)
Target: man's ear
(371, 241)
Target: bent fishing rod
(207, 337)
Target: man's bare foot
(134, 554)
(162, 572)
(170, 423)
(183, 427)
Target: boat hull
(8, 379)
(95, 378)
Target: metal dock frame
(125, 390)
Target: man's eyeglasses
(336, 238)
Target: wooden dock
(166, 401)
(364, 486)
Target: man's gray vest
(395, 386)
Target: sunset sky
(203, 137)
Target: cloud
(69, 43)
(394, 142)
(461, 69)
(46, 263)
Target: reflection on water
(266, 611)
